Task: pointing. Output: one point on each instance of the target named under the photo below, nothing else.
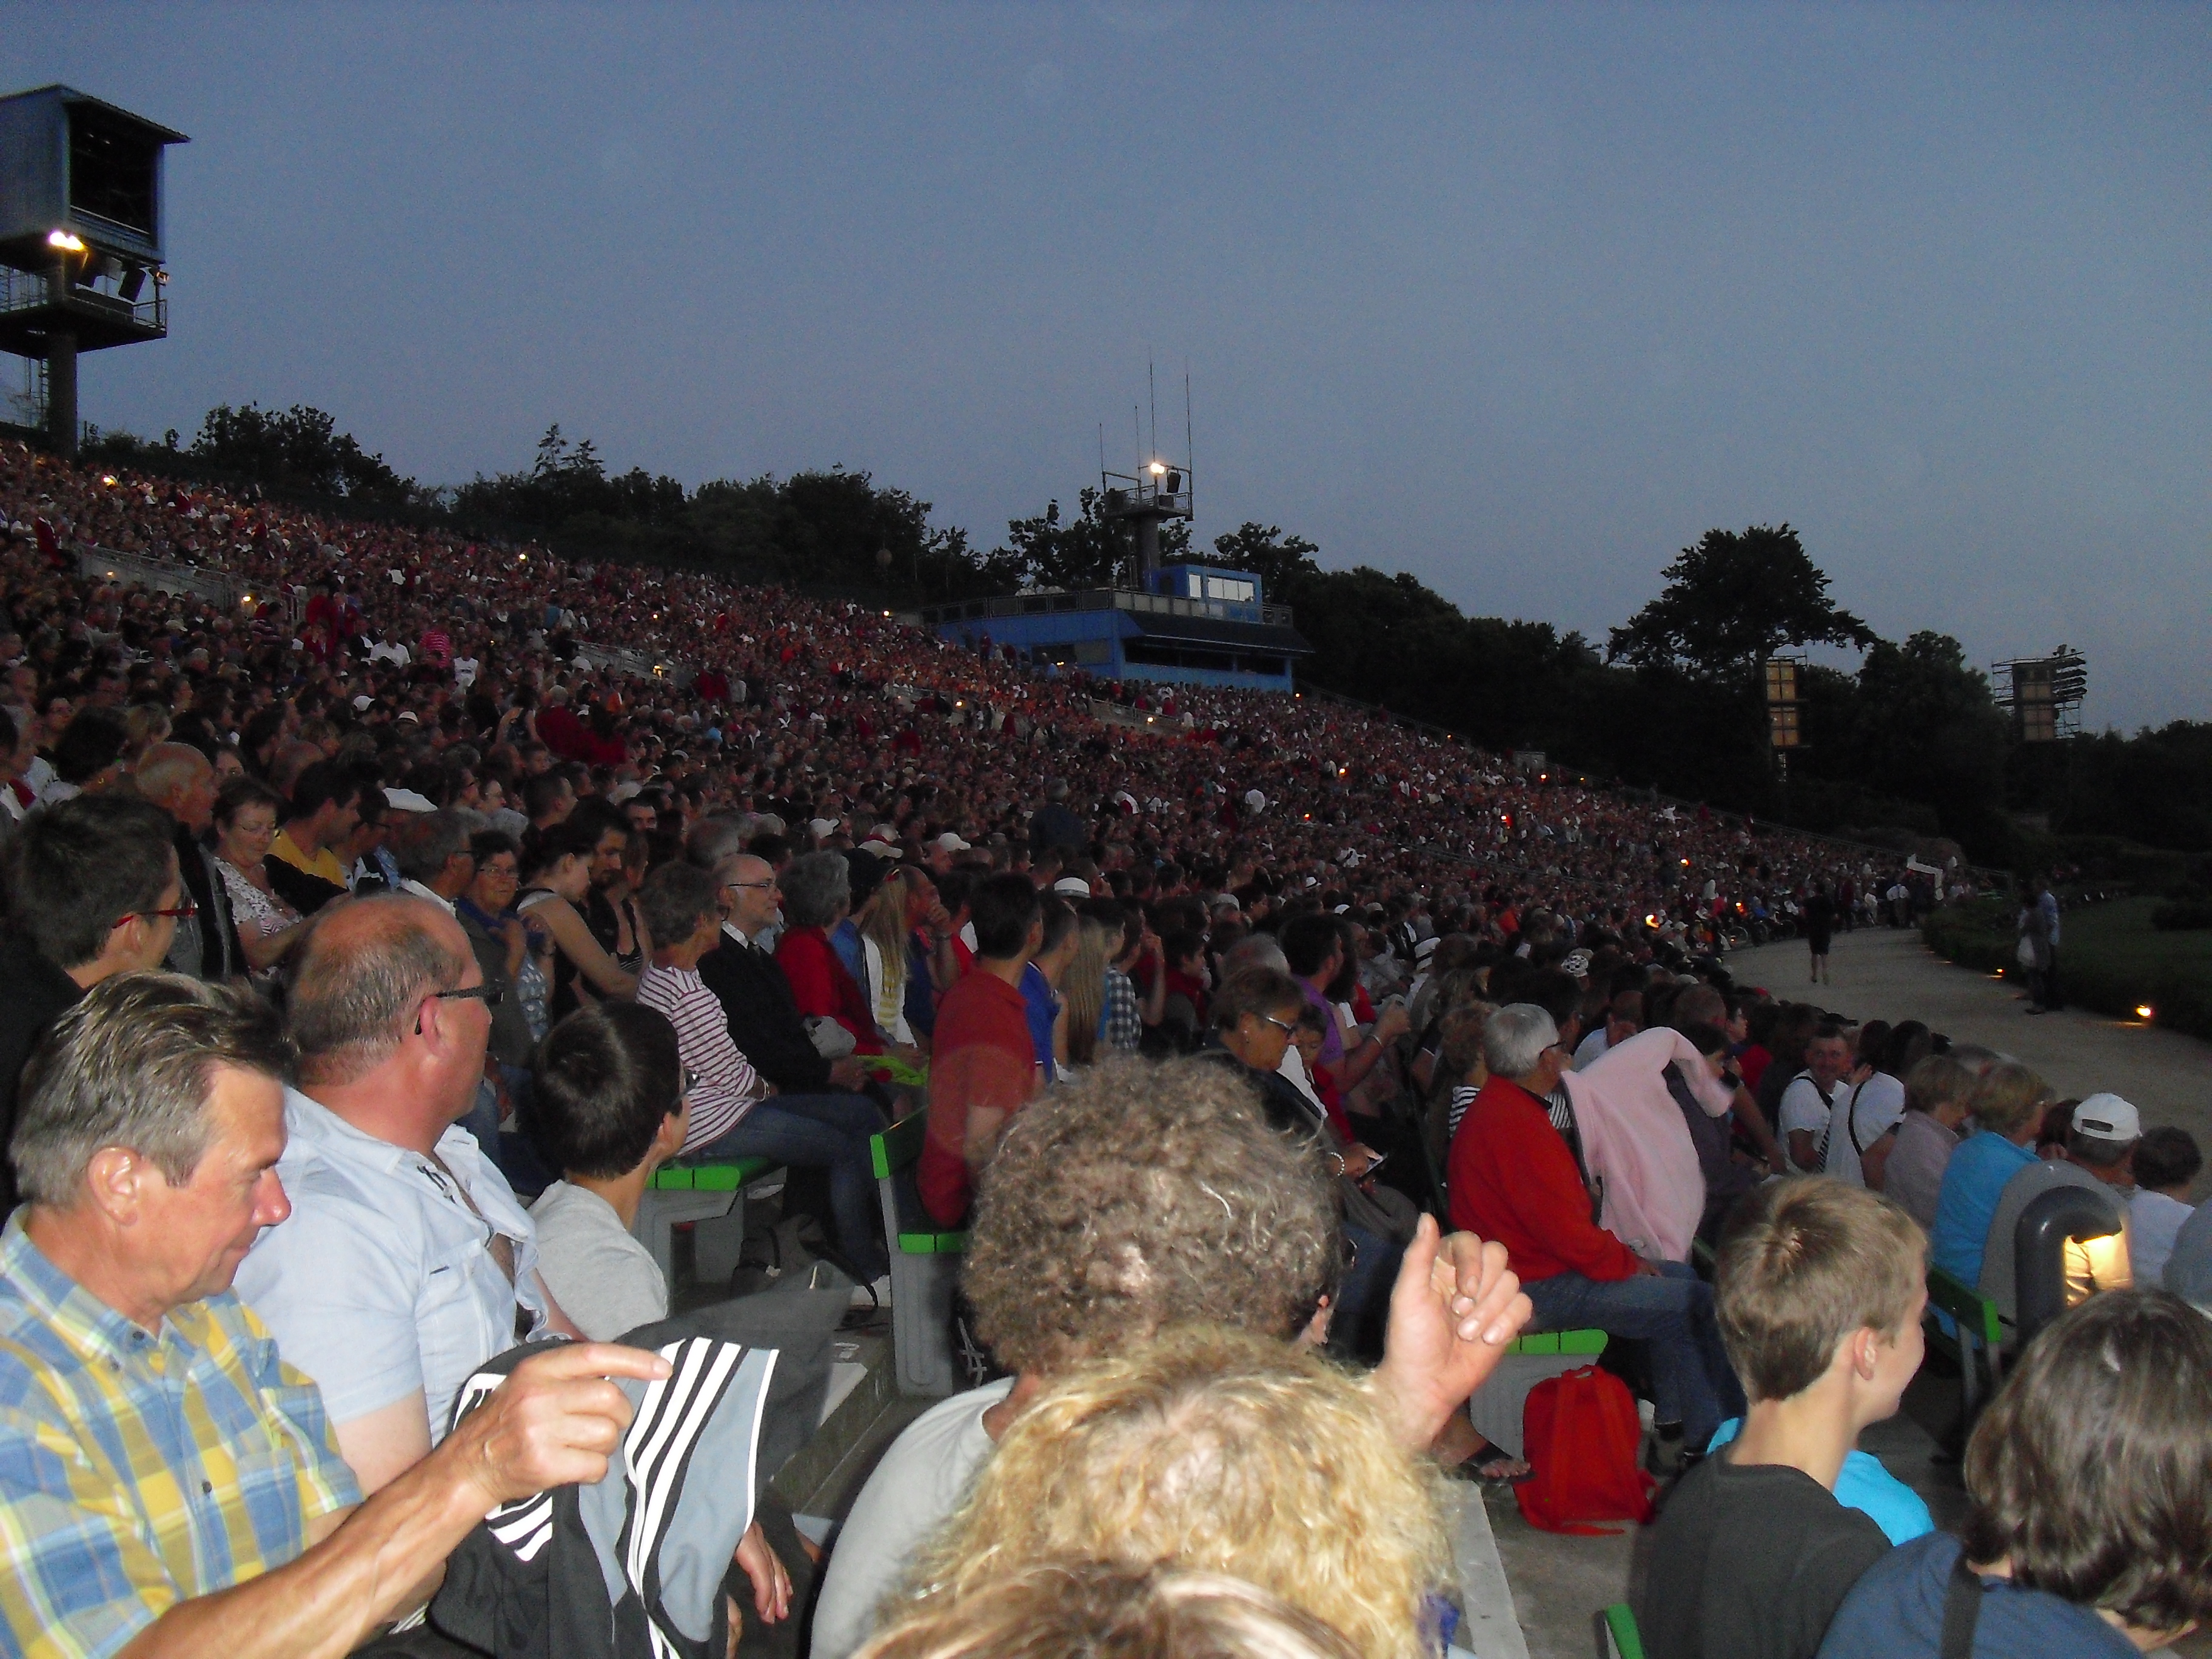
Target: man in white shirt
(1811, 1094)
(406, 1261)
(1623, 1018)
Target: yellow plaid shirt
(139, 1470)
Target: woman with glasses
(487, 908)
(244, 825)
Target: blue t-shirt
(1864, 1485)
(1896, 1612)
(1973, 1181)
(1044, 1009)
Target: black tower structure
(81, 262)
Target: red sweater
(820, 986)
(1511, 1178)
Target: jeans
(827, 1132)
(1373, 1271)
(1673, 1314)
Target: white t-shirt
(920, 1481)
(1876, 1108)
(2154, 1220)
(604, 1280)
(1803, 1108)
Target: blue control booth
(1193, 625)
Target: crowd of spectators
(377, 942)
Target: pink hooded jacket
(1635, 1143)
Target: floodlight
(67, 241)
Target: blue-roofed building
(1191, 625)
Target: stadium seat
(1972, 1335)
(925, 1264)
(711, 1197)
(1497, 1406)
(1617, 1631)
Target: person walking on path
(1819, 929)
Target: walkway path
(1885, 973)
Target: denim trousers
(1673, 1315)
(827, 1132)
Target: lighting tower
(81, 261)
(1157, 491)
(2044, 694)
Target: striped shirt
(139, 1470)
(728, 1087)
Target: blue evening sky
(1521, 299)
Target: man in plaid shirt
(166, 1482)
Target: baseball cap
(2107, 1117)
(951, 843)
(1577, 963)
(1071, 887)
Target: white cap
(1072, 887)
(406, 800)
(2107, 1117)
(951, 843)
(821, 827)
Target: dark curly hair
(1140, 1195)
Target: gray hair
(1515, 1038)
(675, 898)
(132, 1066)
(814, 887)
(347, 1001)
(713, 840)
(1257, 951)
(425, 842)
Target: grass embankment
(2110, 959)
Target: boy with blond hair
(1818, 1290)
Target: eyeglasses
(690, 1082)
(491, 995)
(184, 911)
(1289, 1028)
(732, 885)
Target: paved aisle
(1888, 974)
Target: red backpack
(1582, 1438)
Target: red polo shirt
(981, 1056)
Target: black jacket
(764, 1021)
(636, 1566)
(1286, 1108)
(39, 992)
(219, 953)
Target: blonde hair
(882, 921)
(1104, 1611)
(1085, 986)
(2007, 1096)
(1807, 1262)
(1220, 1451)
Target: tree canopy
(1733, 598)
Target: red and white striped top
(728, 1087)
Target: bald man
(179, 779)
(406, 1261)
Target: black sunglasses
(491, 995)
